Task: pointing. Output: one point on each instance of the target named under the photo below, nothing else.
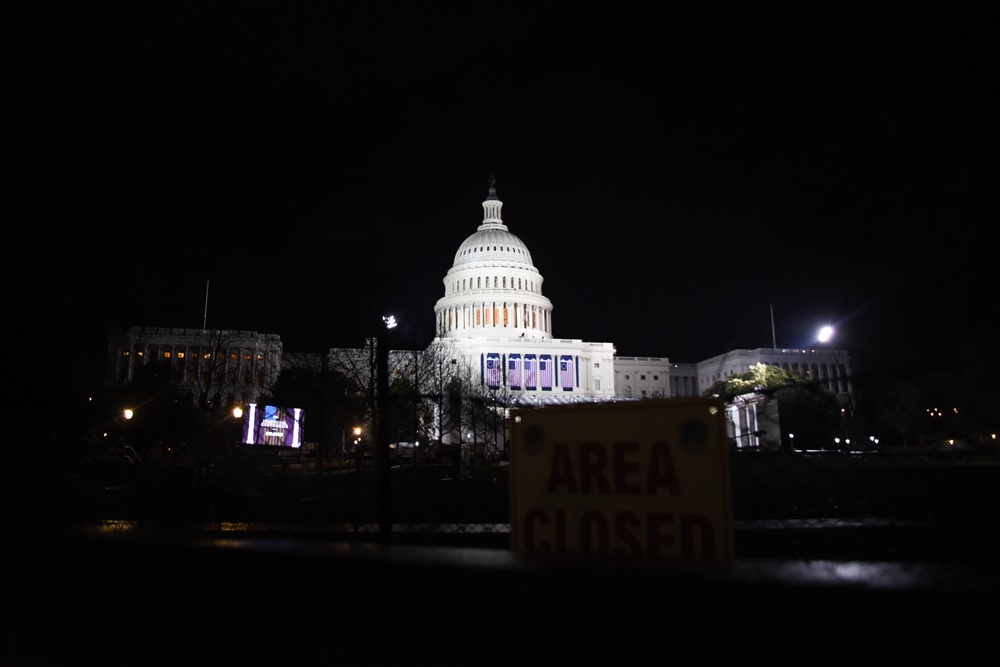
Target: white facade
(652, 377)
(823, 365)
(223, 368)
(495, 318)
(494, 326)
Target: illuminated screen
(271, 425)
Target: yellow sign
(635, 480)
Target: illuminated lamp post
(382, 424)
(824, 336)
(127, 415)
(238, 425)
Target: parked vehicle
(406, 450)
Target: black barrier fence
(785, 505)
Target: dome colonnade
(493, 288)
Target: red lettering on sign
(593, 461)
(561, 472)
(658, 533)
(653, 534)
(625, 522)
(560, 545)
(594, 537)
(662, 473)
(533, 516)
(699, 522)
(624, 466)
(624, 478)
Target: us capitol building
(494, 328)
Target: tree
(806, 407)
(164, 416)
(330, 401)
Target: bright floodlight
(390, 321)
(128, 413)
(825, 334)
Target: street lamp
(126, 442)
(382, 425)
(825, 335)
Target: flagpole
(204, 321)
(774, 339)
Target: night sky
(675, 173)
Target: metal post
(382, 434)
(774, 338)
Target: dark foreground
(138, 602)
(919, 588)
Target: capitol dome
(493, 288)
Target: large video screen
(271, 425)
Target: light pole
(824, 336)
(382, 421)
(127, 415)
(496, 450)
